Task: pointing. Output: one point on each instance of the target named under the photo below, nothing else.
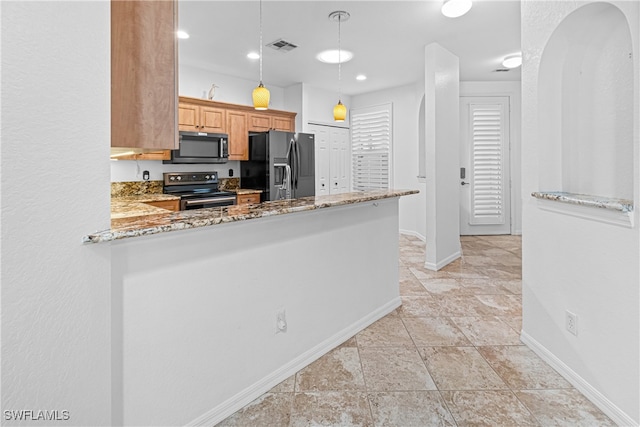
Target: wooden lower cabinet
(172, 205)
(246, 199)
(238, 135)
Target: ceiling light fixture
(361, 77)
(512, 61)
(334, 55)
(182, 34)
(261, 94)
(339, 111)
(456, 8)
(253, 55)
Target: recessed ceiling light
(182, 34)
(331, 56)
(512, 61)
(456, 8)
(361, 77)
(253, 55)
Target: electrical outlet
(571, 321)
(281, 321)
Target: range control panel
(178, 178)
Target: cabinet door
(212, 120)
(283, 123)
(259, 122)
(238, 135)
(188, 117)
(143, 74)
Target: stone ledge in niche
(608, 210)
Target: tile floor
(449, 356)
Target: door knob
(464, 183)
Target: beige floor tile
(411, 286)
(394, 369)
(286, 386)
(409, 408)
(338, 370)
(344, 409)
(563, 408)
(269, 410)
(522, 369)
(483, 287)
(504, 272)
(443, 286)
(386, 332)
(461, 305)
(515, 322)
(487, 331)
(460, 368)
(351, 342)
(434, 331)
(501, 305)
(512, 286)
(487, 408)
(420, 306)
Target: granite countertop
(159, 222)
(622, 205)
(243, 191)
(136, 205)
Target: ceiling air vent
(502, 70)
(282, 46)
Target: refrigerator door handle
(298, 163)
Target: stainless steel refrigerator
(281, 164)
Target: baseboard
(256, 390)
(590, 392)
(414, 234)
(435, 267)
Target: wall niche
(586, 113)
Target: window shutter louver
(487, 157)
(371, 147)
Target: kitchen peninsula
(213, 307)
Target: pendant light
(339, 111)
(261, 94)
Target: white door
(332, 159)
(485, 202)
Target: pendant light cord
(339, 61)
(260, 42)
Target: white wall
(320, 103)
(406, 103)
(512, 90)
(587, 267)
(131, 170)
(55, 188)
(198, 335)
(195, 82)
(442, 138)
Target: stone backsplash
(135, 188)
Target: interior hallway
(449, 356)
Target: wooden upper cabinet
(287, 124)
(198, 118)
(264, 122)
(238, 135)
(144, 75)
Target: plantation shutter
(487, 161)
(371, 147)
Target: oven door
(207, 202)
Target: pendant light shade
(339, 111)
(261, 97)
(261, 94)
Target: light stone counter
(621, 205)
(159, 222)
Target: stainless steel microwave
(201, 147)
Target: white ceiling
(386, 37)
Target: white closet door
(332, 159)
(485, 188)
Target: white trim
(414, 234)
(435, 267)
(608, 216)
(590, 392)
(249, 394)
